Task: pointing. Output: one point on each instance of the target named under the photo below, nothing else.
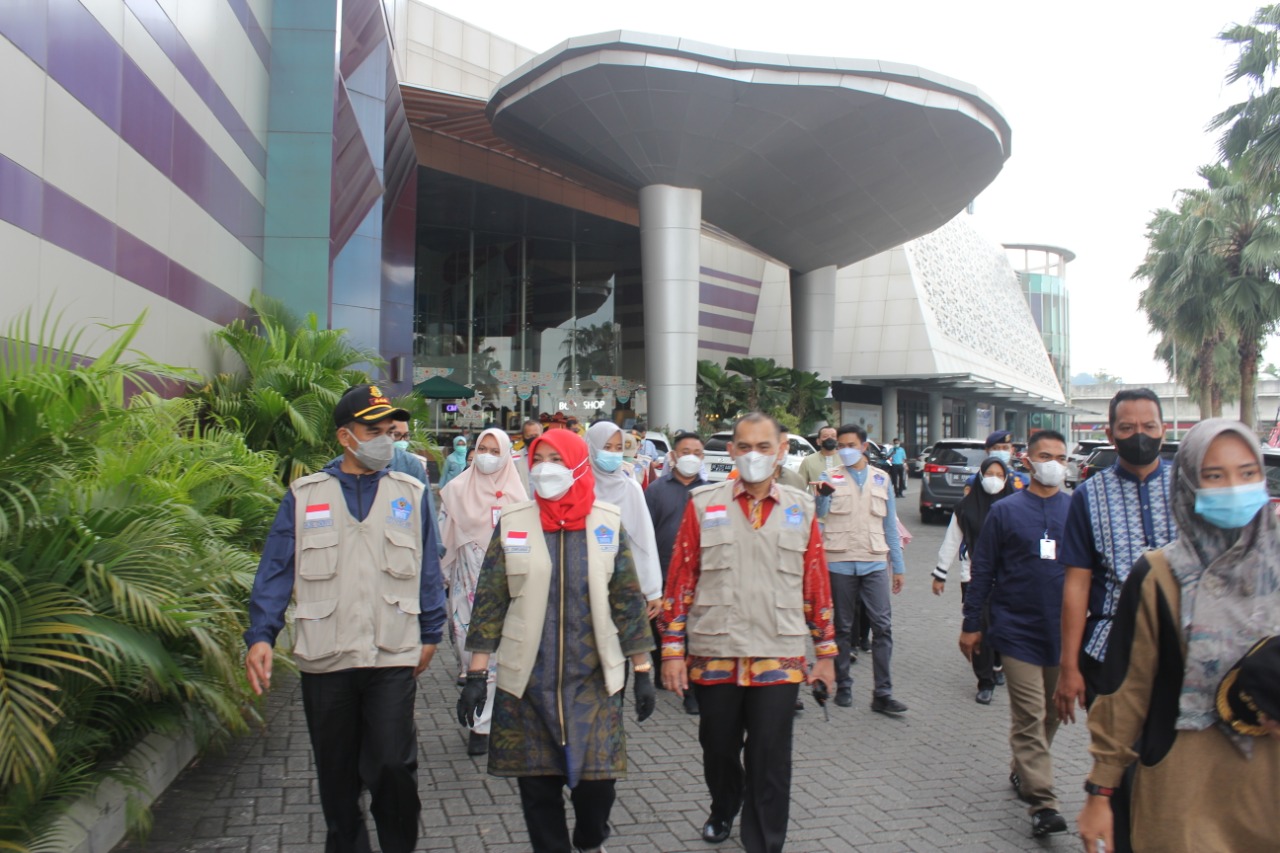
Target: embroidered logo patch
(401, 509)
(604, 538)
(317, 515)
(516, 542)
(715, 516)
(795, 516)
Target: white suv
(716, 454)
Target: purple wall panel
(85, 59)
(253, 30)
(25, 23)
(719, 347)
(715, 296)
(727, 276)
(158, 25)
(146, 122)
(42, 209)
(729, 324)
(21, 196)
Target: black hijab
(972, 510)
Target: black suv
(946, 472)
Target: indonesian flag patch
(715, 516)
(516, 542)
(317, 515)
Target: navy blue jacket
(1024, 590)
(273, 585)
(666, 498)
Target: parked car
(1105, 457)
(915, 465)
(946, 472)
(663, 444)
(1079, 454)
(715, 454)
(1271, 458)
(878, 455)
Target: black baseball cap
(366, 404)
(1000, 436)
(1252, 687)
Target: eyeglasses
(399, 436)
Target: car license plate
(957, 479)
(722, 467)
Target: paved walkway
(934, 780)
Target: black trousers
(542, 798)
(362, 734)
(757, 722)
(861, 624)
(986, 660)
(900, 479)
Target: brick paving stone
(934, 779)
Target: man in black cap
(1000, 445)
(354, 545)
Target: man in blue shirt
(1116, 515)
(356, 547)
(860, 535)
(898, 459)
(1017, 569)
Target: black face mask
(829, 444)
(1139, 449)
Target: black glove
(826, 489)
(646, 696)
(474, 694)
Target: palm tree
(593, 349)
(807, 398)
(127, 548)
(1237, 227)
(765, 381)
(292, 375)
(720, 395)
(1251, 128)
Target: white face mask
(689, 466)
(993, 485)
(1051, 473)
(487, 463)
(755, 467)
(551, 480)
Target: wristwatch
(1097, 790)
(647, 666)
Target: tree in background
(290, 375)
(720, 396)
(765, 382)
(1251, 128)
(807, 399)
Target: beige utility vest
(853, 528)
(749, 600)
(357, 583)
(528, 567)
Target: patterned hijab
(1230, 580)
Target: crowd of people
(573, 567)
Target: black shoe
(853, 657)
(1047, 822)
(865, 645)
(844, 697)
(715, 830)
(984, 696)
(887, 705)
(999, 678)
(477, 744)
(799, 706)
(690, 703)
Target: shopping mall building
(619, 207)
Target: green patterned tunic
(575, 731)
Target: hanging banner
(422, 374)
(622, 388)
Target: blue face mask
(850, 456)
(608, 460)
(1232, 507)
(401, 445)
(1003, 455)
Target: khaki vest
(749, 600)
(357, 583)
(528, 567)
(853, 529)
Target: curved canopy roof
(814, 161)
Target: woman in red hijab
(558, 595)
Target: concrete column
(888, 415)
(1022, 422)
(935, 417)
(670, 228)
(995, 417)
(813, 309)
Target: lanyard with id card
(1048, 547)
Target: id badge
(1048, 549)
(497, 515)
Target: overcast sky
(1108, 104)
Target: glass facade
(513, 283)
(1050, 306)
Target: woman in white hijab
(470, 506)
(614, 486)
